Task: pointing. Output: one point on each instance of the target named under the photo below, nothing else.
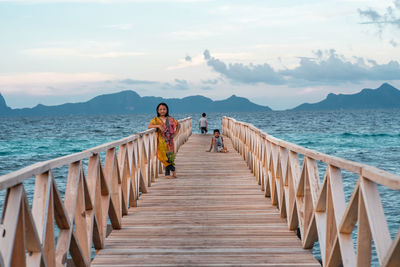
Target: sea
(367, 136)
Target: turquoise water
(367, 136)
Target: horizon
(276, 54)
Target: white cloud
(30, 89)
(250, 74)
(50, 78)
(78, 52)
(307, 90)
(83, 49)
(199, 60)
(183, 63)
(135, 82)
(116, 54)
(331, 68)
(387, 19)
(236, 56)
(325, 68)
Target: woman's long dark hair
(165, 105)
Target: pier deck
(214, 214)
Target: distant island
(386, 96)
(129, 102)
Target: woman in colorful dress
(167, 127)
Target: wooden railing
(319, 210)
(30, 237)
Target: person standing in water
(167, 127)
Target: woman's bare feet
(168, 177)
(174, 174)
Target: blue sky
(276, 53)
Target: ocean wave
(367, 135)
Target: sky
(276, 53)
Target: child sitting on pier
(217, 142)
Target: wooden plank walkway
(214, 214)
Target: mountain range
(386, 96)
(129, 102)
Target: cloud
(52, 78)
(394, 43)
(330, 68)
(245, 73)
(180, 85)
(54, 84)
(78, 53)
(206, 88)
(391, 16)
(326, 68)
(130, 81)
(243, 56)
(207, 55)
(86, 49)
(209, 81)
(198, 60)
(186, 63)
(371, 14)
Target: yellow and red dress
(165, 140)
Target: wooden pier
(242, 208)
(214, 214)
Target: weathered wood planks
(319, 209)
(214, 214)
(56, 231)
